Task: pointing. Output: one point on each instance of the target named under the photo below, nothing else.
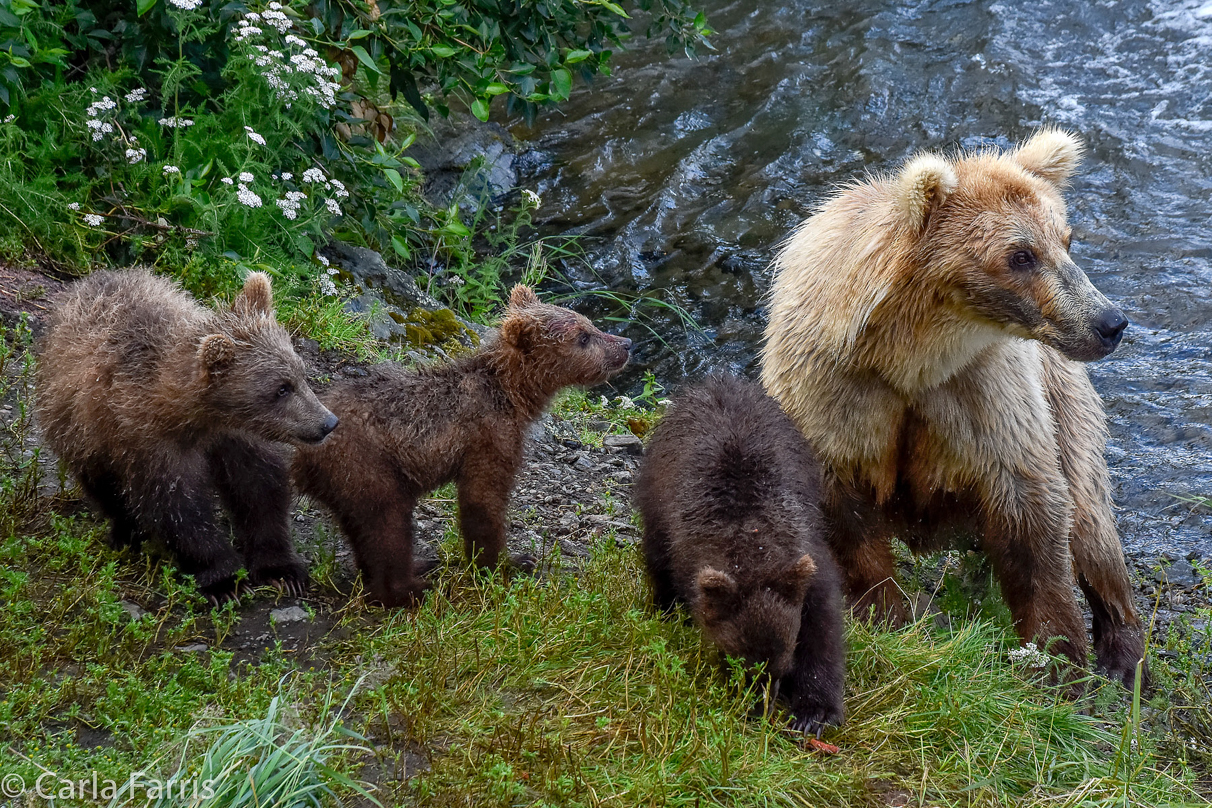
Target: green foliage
(204, 137)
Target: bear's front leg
(482, 504)
(254, 486)
(172, 497)
(1026, 539)
(814, 688)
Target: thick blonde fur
(935, 377)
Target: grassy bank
(557, 690)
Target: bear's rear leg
(176, 502)
(105, 488)
(871, 585)
(382, 541)
(656, 556)
(254, 486)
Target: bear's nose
(626, 344)
(1110, 326)
(330, 423)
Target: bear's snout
(330, 423)
(621, 349)
(1110, 325)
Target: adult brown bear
(926, 333)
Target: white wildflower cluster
(176, 123)
(245, 177)
(171, 170)
(247, 198)
(98, 127)
(10, 118)
(136, 96)
(136, 155)
(73, 206)
(186, 5)
(290, 203)
(325, 262)
(93, 220)
(624, 403)
(289, 66)
(327, 286)
(313, 175)
(532, 199)
(333, 207)
(227, 181)
(254, 137)
(1029, 655)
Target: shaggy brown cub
(406, 432)
(729, 494)
(158, 405)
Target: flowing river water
(685, 175)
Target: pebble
(623, 444)
(193, 648)
(291, 614)
(135, 611)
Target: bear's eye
(584, 340)
(1023, 259)
(285, 390)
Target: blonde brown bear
(926, 333)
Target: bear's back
(104, 348)
(731, 481)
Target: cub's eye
(584, 340)
(1023, 259)
(285, 390)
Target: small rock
(135, 611)
(300, 518)
(582, 461)
(193, 648)
(291, 614)
(623, 444)
(599, 426)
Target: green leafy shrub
(208, 137)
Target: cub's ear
(522, 296)
(216, 352)
(520, 331)
(795, 581)
(257, 297)
(714, 585)
(922, 186)
(1051, 154)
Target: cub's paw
(813, 719)
(290, 579)
(523, 562)
(221, 593)
(405, 594)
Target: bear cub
(729, 494)
(405, 432)
(158, 406)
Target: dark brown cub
(406, 432)
(729, 495)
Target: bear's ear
(216, 352)
(795, 582)
(520, 331)
(923, 184)
(1051, 154)
(522, 296)
(715, 586)
(257, 297)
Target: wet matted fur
(728, 493)
(159, 406)
(405, 432)
(926, 332)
